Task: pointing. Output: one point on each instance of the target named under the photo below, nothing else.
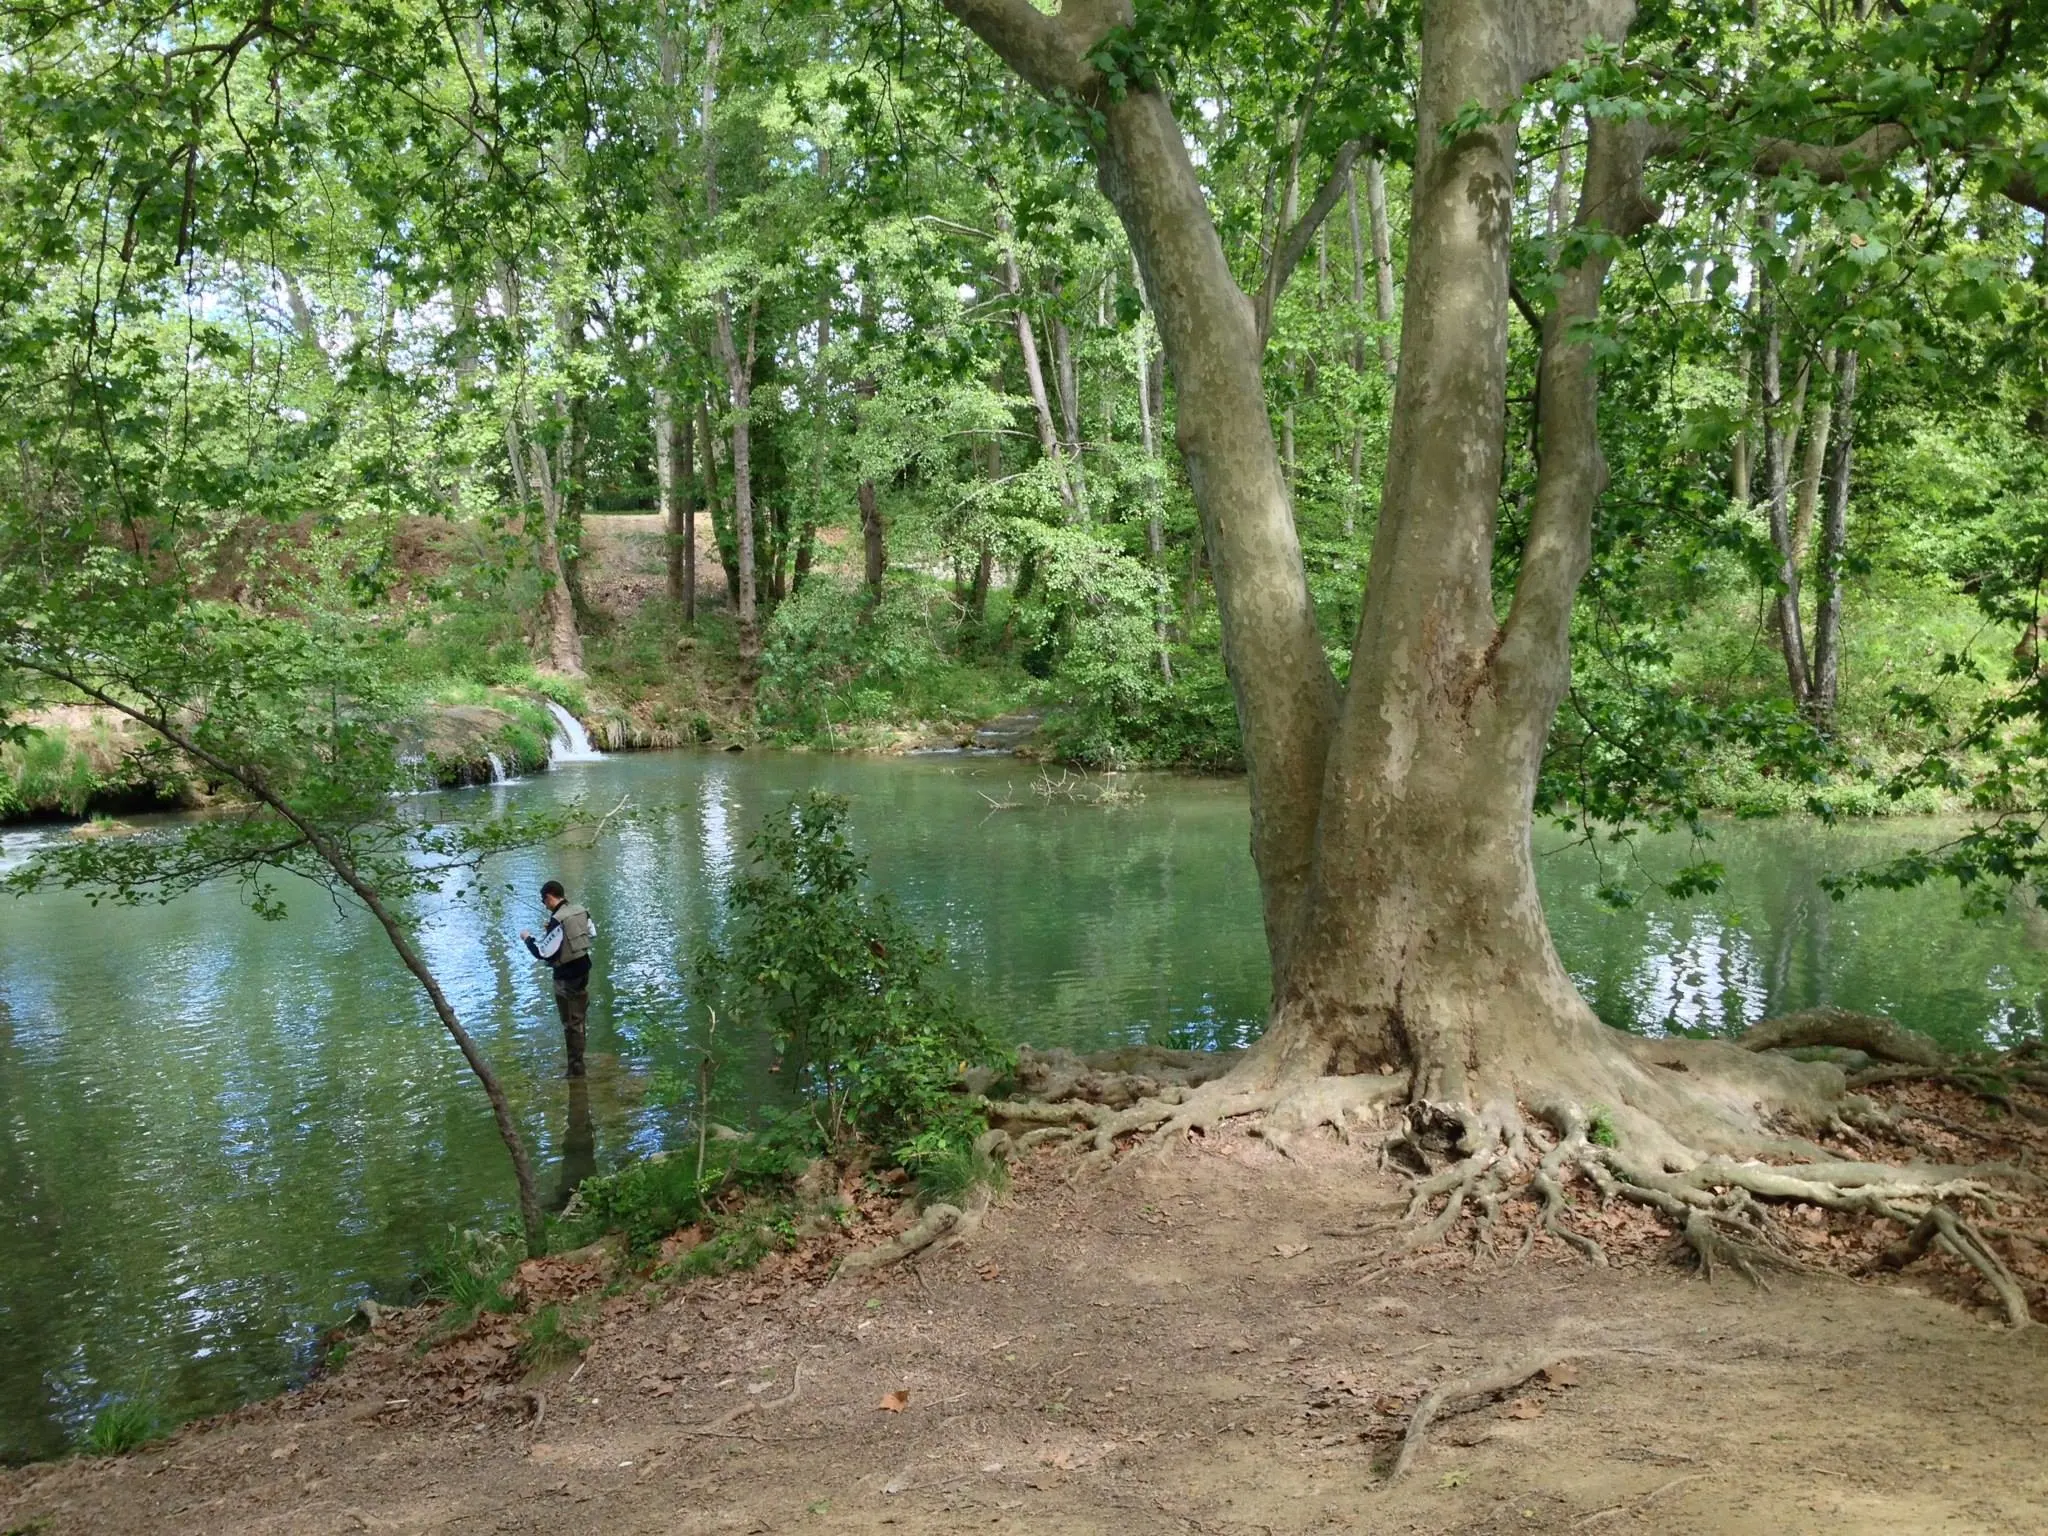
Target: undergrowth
(122, 1425)
(548, 1340)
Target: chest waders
(572, 992)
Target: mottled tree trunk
(1390, 828)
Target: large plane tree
(1391, 816)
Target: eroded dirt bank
(1208, 1341)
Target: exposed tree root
(1172, 1110)
(934, 1222)
(725, 1421)
(1453, 1395)
(1886, 1039)
(1939, 1224)
(1470, 1165)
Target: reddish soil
(1207, 1340)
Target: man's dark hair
(553, 888)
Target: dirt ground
(1207, 1340)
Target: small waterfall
(497, 767)
(571, 743)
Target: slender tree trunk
(1834, 540)
(1819, 415)
(1780, 425)
(1738, 463)
(534, 479)
(674, 508)
(873, 533)
(821, 429)
(977, 590)
(1382, 262)
(1155, 532)
(687, 496)
(721, 517)
(1558, 213)
(558, 609)
(1034, 375)
(739, 378)
(1067, 375)
(873, 538)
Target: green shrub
(645, 1201)
(849, 990)
(121, 1426)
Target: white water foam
(571, 743)
(497, 767)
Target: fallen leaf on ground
(895, 1402)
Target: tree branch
(336, 857)
(2027, 188)
(1287, 255)
(1051, 52)
(1570, 473)
(1837, 162)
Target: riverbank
(1250, 1367)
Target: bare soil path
(1207, 1341)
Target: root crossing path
(1213, 1339)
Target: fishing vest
(576, 934)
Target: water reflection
(215, 1131)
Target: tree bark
(873, 533)
(1834, 539)
(667, 502)
(533, 479)
(1285, 693)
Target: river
(216, 1131)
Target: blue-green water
(216, 1131)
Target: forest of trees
(382, 309)
(1449, 415)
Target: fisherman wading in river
(565, 946)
